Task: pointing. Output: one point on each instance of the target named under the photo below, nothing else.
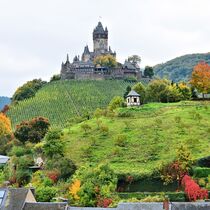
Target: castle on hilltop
(85, 68)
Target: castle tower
(100, 39)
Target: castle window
(135, 100)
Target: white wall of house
(133, 101)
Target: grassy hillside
(180, 68)
(60, 101)
(4, 101)
(150, 136)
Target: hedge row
(200, 172)
(173, 196)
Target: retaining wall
(153, 206)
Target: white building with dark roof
(133, 99)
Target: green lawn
(153, 133)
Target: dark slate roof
(133, 93)
(15, 198)
(3, 159)
(129, 65)
(86, 50)
(99, 29)
(45, 206)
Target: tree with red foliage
(192, 189)
(103, 202)
(180, 167)
(201, 78)
(53, 175)
(33, 130)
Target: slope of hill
(138, 144)
(4, 101)
(180, 68)
(60, 101)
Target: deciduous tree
(148, 71)
(105, 61)
(201, 78)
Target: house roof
(133, 93)
(15, 198)
(3, 159)
(45, 206)
(129, 65)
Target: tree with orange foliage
(5, 125)
(201, 78)
(74, 189)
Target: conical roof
(99, 29)
(133, 93)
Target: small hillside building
(3, 159)
(133, 98)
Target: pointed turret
(67, 59)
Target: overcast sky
(36, 35)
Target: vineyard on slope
(60, 101)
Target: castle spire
(67, 59)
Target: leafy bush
(33, 130)
(140, 89)
(121, 140)
(46, 193)
(192, 189)
(156, 198)
(125, 113)
(63, 165)
(28, 90)
(96, 185)
(116, 102)
(161, 90)
(200, 172)
(104, 129)
(53, 145)
(173, 196)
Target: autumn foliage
(201, 77)
(53, 175)
(74, 189)
(5, 125)
(192, 189)
(33, 130)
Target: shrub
(192, 189)
(28, 90)
(199, 172)
(97, 185)
(85, 127)
(104, 129)
(125, 113)
(46, 193)
(140, 89)
(64, 166)
(121, 140)
(173, 196)
(156, 198)
(33, 130)
(53, 145)
(116, 102)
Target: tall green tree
(135, 59)
(148, 72)
(28, 90)
(140, 89)
(128, 89)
